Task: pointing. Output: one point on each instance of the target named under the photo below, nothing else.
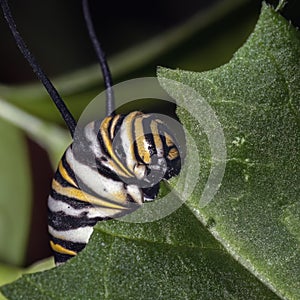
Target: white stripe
(58, 205)
(92, 212)
(127, 143)
(99, 184)
(79, 235)
(136, 193)
(92, 138)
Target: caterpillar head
(146, 147)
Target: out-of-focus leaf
(49, 136)
(8, 274)
(15, 199)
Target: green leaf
(253, 216)
(256, 98)
(174, 258)
(15, 201)
(9, 273)
(49, 136)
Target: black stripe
(151, 192)
(135, 147)
(118, 125)
(100, 139)
(68, 244)
(60, 179)
(106, 172)
(118, 147)
(102, 144)
(149, 136)
(77, 247)
(68, 168)
(73, 202)
(109, 127)
(61, 221)
(164, 143)
(60, 258)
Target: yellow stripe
(65, 174)
(113, 166)
(60, 249)
(140, 139)
(156, 136)
(109, 147)
(173, 153)
(84, 197)
(129, 121)
(113, 125)
(169, 140)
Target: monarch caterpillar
(112, 166)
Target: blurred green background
(137, 37)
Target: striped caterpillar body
(110, 170)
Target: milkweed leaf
(256, 211)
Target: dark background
(55, 32)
